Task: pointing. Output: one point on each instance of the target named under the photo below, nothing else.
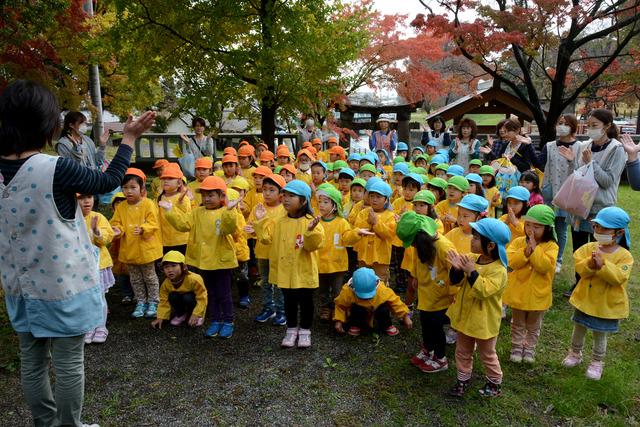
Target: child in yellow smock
(447, 210)
(491, 191)
(172, 192)
(517, 206)
(470, 209)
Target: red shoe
(435, 365)
(354, 331)
(420, 358)
(392, 331)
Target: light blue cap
(372, 181)
(518, 193)
(455, 170)
(299, 188)
(402, 146)
(403, 168)
(370, 157)
(354, 156)
(474, 203)
(347, 171)
(438, 159)
(473, 177)
(433, 143)
(321, 163)
(615, 218)
(364, 283)
(414, 176)
(418, 148)
(381, 188)
(496, 231)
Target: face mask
(563, 130)
(605, 239)
(305, 166)
(595, 134)
(82, 129)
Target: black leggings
(360, 317)
(433, 336)
(579, 239)
(182, 303)
(301, 298)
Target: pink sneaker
(290, 338)
(178, 320)
(572, 359)
(88, 337)
(304, 338)
(101, 335)
(594, 371)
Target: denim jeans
(272, 298)
(66, 356)
(561, 231)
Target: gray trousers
(64, 406)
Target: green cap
(476, 162)
(358, 181)
(329, 166)
(443, 167)
(425, 178)
(543, 215)
(438, 183)
(398, 159)
(332, 193)
(420, 170)
(368, 167)
(486, 170)
(424, 157)
(425, 196)
(277, 170)
(409, 225)
(459, 182)
(339, 164)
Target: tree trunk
(268, 122)
(94, 89)
(638, 120)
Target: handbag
(578, 192)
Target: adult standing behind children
(74, 144)
(52, 301)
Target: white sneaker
(558, 267)
(304, 338)
(290, 337)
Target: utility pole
(94, 87)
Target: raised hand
(134, 128)
(165, 204)
(523, 139)
(104, 138)
(373, 218)
(94, 226)
(261, 212)
(586, 156)
(314, 222)
(365, 232)
(485, 150)
(512, 217)
(567, 153)
(184, 137)
(231, 204)
(598, 261)
(467, 264)
(531, 244)
(454, 259)
(630, 147)
(495, 198)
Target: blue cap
(414, 176)
(418, 148)
(372, 181)
(347, 171)
(370, 157)
(364, 283)
(615, 218)
(474, 203)
(496, 231)
(299, 188)
(386, 155)
(473, 177)
(518, 193)
(321, 163)
(354, 156)
(438, 159)
(403, 168)
(433, 143)
(381, 188)
(402, 146)
(455, 170)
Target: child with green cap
(475, 165)
(431, 270)
(447, 210)
(334, 261)
(366, 303)
(532, 260)
(491, 191)
(476, 312)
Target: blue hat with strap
(364, 283)
(402, 146)
(421, 149)
(496, 231)
(455, 170)
(381, 187)
(473, 177)
(614, 218)
(519, 193)
(438, 159)
(372, 180)
(386, 155)
(299, 188)
(370, 157)
(432, 143)
(474, 203)
(354, 156)
(347, 171)
(414, 176)
(403, 168)
(321, 163)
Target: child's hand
(450, 218)
(454, 259)
(467, 264)
(249, 229)
(598, 261)
(116, 232)
(339, 327)
(94, 226)
(233, 203)
(396, 217)
(373, 218)
(193, 320)
(137, 231)
(365, 232)
(260, 211)
(407, 322)
(512, 217)
(531, 244)
(313, 223)
(157, 324)
(165, 204)
(496, 197)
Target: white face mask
(82, 129)
(595, 134)
(305, 166)
(605, 239)
(563, 130)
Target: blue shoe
(152, 310)
(280, 320)
(244, 302)
(139, 311)
(226, 331)
(264, 316)
(213, 330)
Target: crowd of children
(362, 229)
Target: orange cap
(213, 183)
(283, 151)
(308, 153)
(266, 156)
(290, 168)
(229, 150)
(306, 144)
(332, 139)
(160, 163)
(339, 151)
(243, 143)
(277, 179)
(171, 171)
(262, 170)
(229, 158)
(204, 163)
(316, 141)
(136, 172)
(263, 145)
(246, 150)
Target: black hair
(525, 208)
(270, 181)
(29, 117)
(408, 181)
(135, 178)
(432, 121)
(622, 240)
(479, 189)
(71, 118)
(441, 193)
(425, 247)
(345, 175)
(484, 242)
(304, 210)
(492, 183)
(431, 212)
(547, 235)
(84, 196)
(198, 121)
(530, 176)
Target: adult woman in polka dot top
(49, 270)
